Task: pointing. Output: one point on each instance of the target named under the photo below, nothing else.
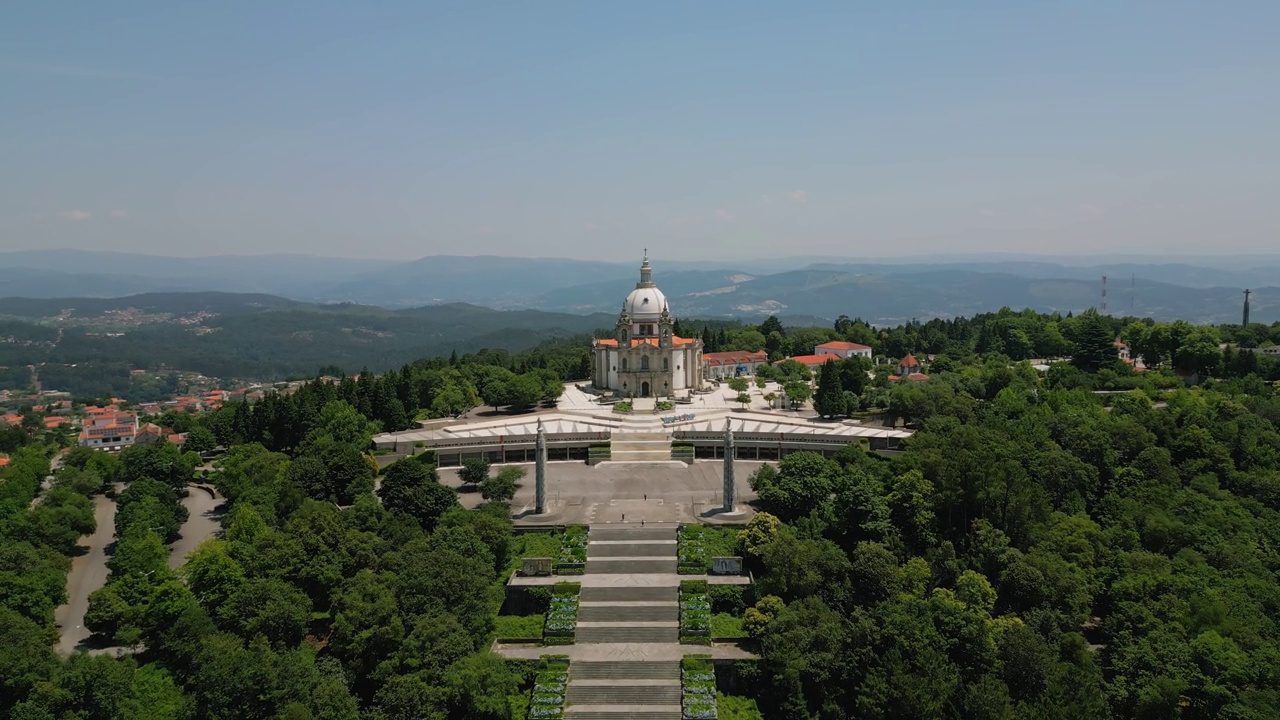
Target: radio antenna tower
(1245, 322)
(1104, 294)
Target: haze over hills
(881, 291)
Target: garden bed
(698, 688)
(562, 616)
(550, 687)
(697, 544)
(695, 613)
(572, 558)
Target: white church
(644, 358)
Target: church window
(624, 363)
(666, 364)
(644, 362)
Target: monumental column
(729, 448)
(540, 471)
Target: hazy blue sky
(401, 129)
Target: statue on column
(540, 471)
(729, 452)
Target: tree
(212, 574)
(797, 391)
(738, 384)
(802, 482)
(829, 400)
(502, 487)
(743, 399)
(1094, 342)
(412, 488)
(479, 686)
(474, 470)
(268, 607)
(26, 657)
(199, 439)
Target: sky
(699, 130)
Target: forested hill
(265, 337)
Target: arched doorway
(644, 389)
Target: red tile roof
(842, 345)
(909, 361)
(914, 377)
(635, 342)
(813, 359)
(739, 357)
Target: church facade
(644, 358)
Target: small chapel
(644, 358)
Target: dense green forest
(1037, 549)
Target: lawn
(724, 625)
(519, 627)
(732, 707)
(534, 544)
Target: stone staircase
(629, 445)
(631, 613)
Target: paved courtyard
(667, 492)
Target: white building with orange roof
(108, 429)
(644, 358)
(843, 349)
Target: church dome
(646, 302)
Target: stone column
(540, 471)
(729, 448)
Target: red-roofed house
(909, 369)
(843, 349)
(108, 429)
(720, 365)
(4, 461)
(10, 419)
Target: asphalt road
(202, 523)
(89, 570)
(88, 573)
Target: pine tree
(829, 400)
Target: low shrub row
(698, 688)
(695, 617)
(549, 688)
(562, 615)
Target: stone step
(629, 613)
(639, 593)
(619, 566)
(623, 694)
(657, 454)
(626, 634)
(632, 532)
(608, 712)
(623, 670)
(656, 548)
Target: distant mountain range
(1199, 290)
(239, 335)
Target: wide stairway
(639, 442)
(628, 613)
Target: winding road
(89, 570)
